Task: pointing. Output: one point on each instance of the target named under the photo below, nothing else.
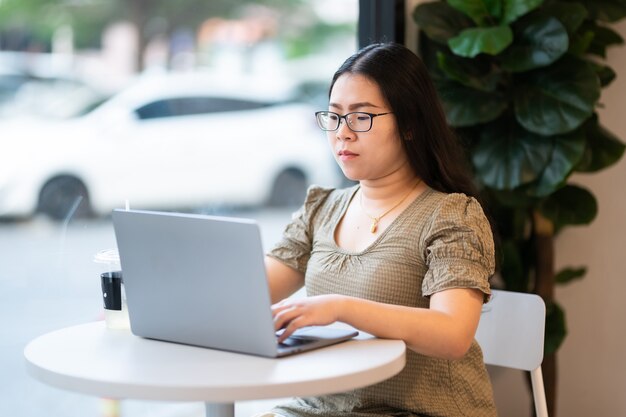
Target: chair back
(511, 330)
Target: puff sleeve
(294, 249)
(459, 247)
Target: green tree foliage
(89, 18)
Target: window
(59, 179)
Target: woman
(405, 254)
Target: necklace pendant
(374, 226)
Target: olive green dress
(439, 241)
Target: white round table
(94, 360)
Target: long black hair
(433, 150)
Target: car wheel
(289, 189)
(64, 196)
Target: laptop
(200, 280)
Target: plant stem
(543, 233)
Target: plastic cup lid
(107, 256)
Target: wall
(592, 366)
(591, 362)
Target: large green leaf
(605, 74)
(571, 205)
(556, 329)
(482, 12)
(603, 148)
(469, 72)
(580, 42)
(570, 14)
(606, 10)
(557, 99)
(439, 21)
(428, 51)
(538, 43)
(603, 37)
(567, 152)
(466, 106)
(568, 275)
(513, 9)
(473, 41)
(508, 156)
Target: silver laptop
(200, 280)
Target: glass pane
(192, 106)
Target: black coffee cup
(112, 290)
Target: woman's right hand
(292, 314)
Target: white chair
(511, 332)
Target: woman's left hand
(311, 311)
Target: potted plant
(520, 80)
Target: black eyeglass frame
(344, 117)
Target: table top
(93, 359)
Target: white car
(166, 142)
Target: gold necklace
(376, 219)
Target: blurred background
(195, 106)
(175, 96)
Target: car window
(186, 106)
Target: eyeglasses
(357, 121)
